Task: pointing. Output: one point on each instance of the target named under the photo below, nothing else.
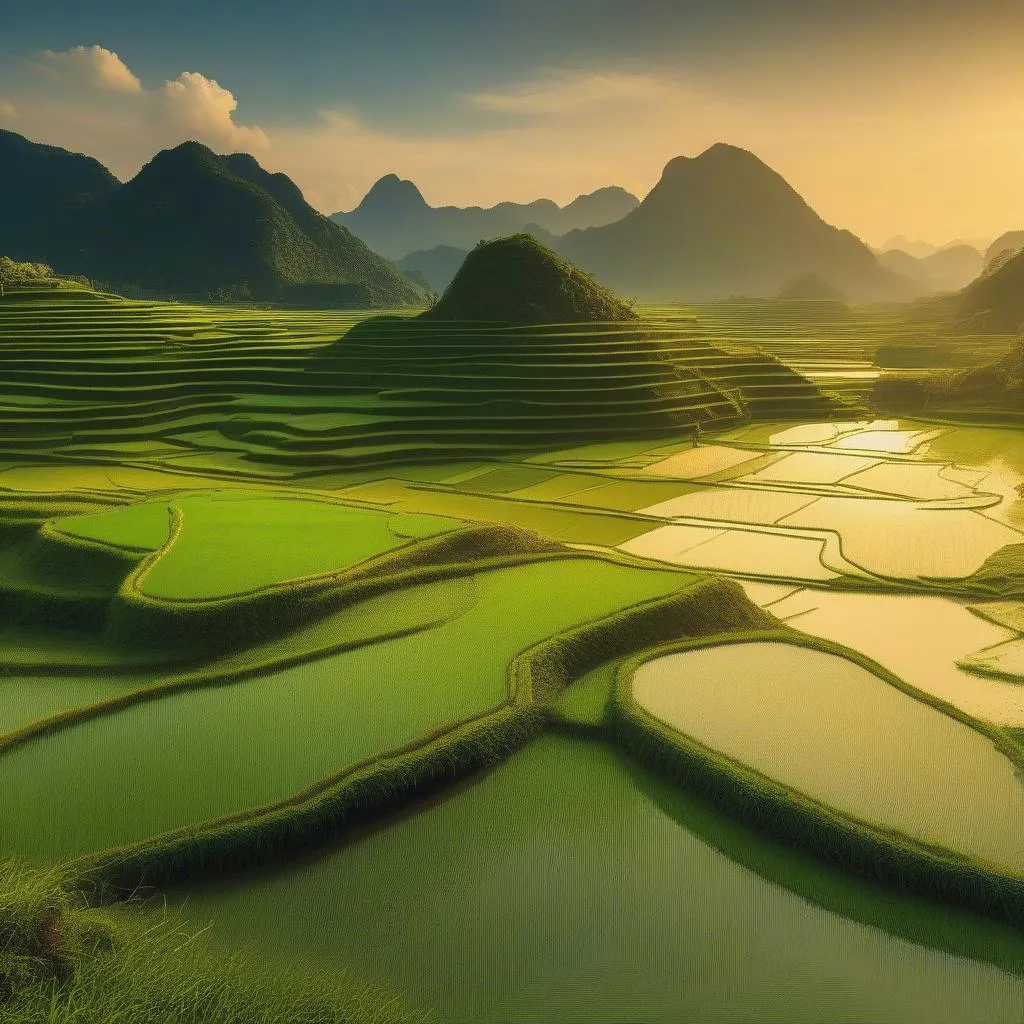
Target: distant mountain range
(190, 222)
(394, 218)
(193, 223)
(434, 267)
(920, 249)
(723, 223)
(947, 269)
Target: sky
(888, 116)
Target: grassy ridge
(378, 785)
(62, 963)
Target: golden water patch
(701, 460)
(829, 728)
(919, 639)
(924, 481)
(899, 539)
(812, 468)
(734, 504)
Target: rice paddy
(828, 728)
(318, 622)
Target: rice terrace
(600, 612)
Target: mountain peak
(393, 193)
(185, 156)
(716, 158)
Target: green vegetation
(193, 223)
(62, 963)
(518, 280)
(16, 276)
(260, 550)
(245, 665)
(992, 393)
(620, 896)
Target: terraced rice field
(98, 380)
(321, 627)
(830, 729)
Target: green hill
(43, 190)
(525, 346)
(190, 223)
(193, 222)
(517, 280)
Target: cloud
(89, 100)
(199, 107)
(941, 155)
(94, 66)
(560, 94)
(7, 110)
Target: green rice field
(556, 674)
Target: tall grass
(61, 963)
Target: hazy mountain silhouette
(913, 247)
(1009, 243)
(724, 223)
(436, 266)
(995, 301)
(518, 280)
(394, 218)
(192, 222)
(811, 286)
(948, 269)
(42, 192)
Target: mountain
(1009, 243)
(394, 218)
(190, 222)
(42, 191)
(916, 248)
(953, 268)
(436, 267)
(948, 269)
(524, 350)
(900, 261)
(518, 280)
(995, 301)
(721, 224)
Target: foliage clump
(518, 280)
(63, 963)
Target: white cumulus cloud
(199, 107)
(94, 66)
(88, 100)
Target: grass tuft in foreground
(61, 963)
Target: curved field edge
(282, 609)
(872, 851)
(381, 785)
